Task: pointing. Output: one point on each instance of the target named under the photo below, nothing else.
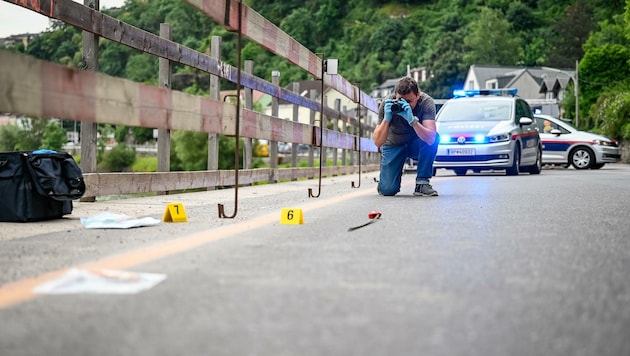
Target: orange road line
(22, 290)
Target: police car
(565, 145)
(489, 129)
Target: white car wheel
(581, 158)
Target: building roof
(389, 83)
(530, 81)
(507, 74)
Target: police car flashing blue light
(488, 130)
(474, 92)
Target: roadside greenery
(31, 135)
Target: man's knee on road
(387, 191)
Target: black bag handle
(55, 174)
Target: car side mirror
(524, 121)
(556, 132)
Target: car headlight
(605, 143)
(499, 138)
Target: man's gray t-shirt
(400, 132)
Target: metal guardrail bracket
(321, 133)
(238, 119)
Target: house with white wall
(542, 87)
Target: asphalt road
(496, 265)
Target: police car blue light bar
(472, 92)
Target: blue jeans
(393, 158)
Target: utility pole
(575, 88)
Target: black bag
(38, 185)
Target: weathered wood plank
(268, 35)
(39, 88)
(80, 16)
(102, 184)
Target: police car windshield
(476, 110)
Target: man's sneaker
(425, 190)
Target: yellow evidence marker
(291, 216)
(175, 213)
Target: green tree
(142, 134)
(386, 41)
(191, 150)
(113, 58)
(301, 27)
(60, 45)
(603, 74)
(445, 61)
(528, 26)
(142, 68)
(119, 159)
(34, 134)
(602, 67)
(568, 34)
(227, 146)
(611, 113)
(105, 133)
(54, 136)
(9, 137)
(491, 41)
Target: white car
(489, 129)
(565, 145)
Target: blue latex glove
(43, 151)
(406, 112)
(388, 110)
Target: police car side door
(530, 138)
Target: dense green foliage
(34, 134)
(189, 151)
(120, 158)
(376, 41)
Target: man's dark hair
(406, 85)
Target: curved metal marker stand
(237, 124)
(321, 135)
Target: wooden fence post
(88, 136)
(249, 104)
(215, 93)
(273, 145)
(344, 129)
(296, 118)
(311, 149)
(165, 79)
(335, 122)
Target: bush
(119, 158)
(611, 114)
(145, 164)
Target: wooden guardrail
(42, 89)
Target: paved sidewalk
(199, 206)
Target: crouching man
(406, 129)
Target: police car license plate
(461, 152)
